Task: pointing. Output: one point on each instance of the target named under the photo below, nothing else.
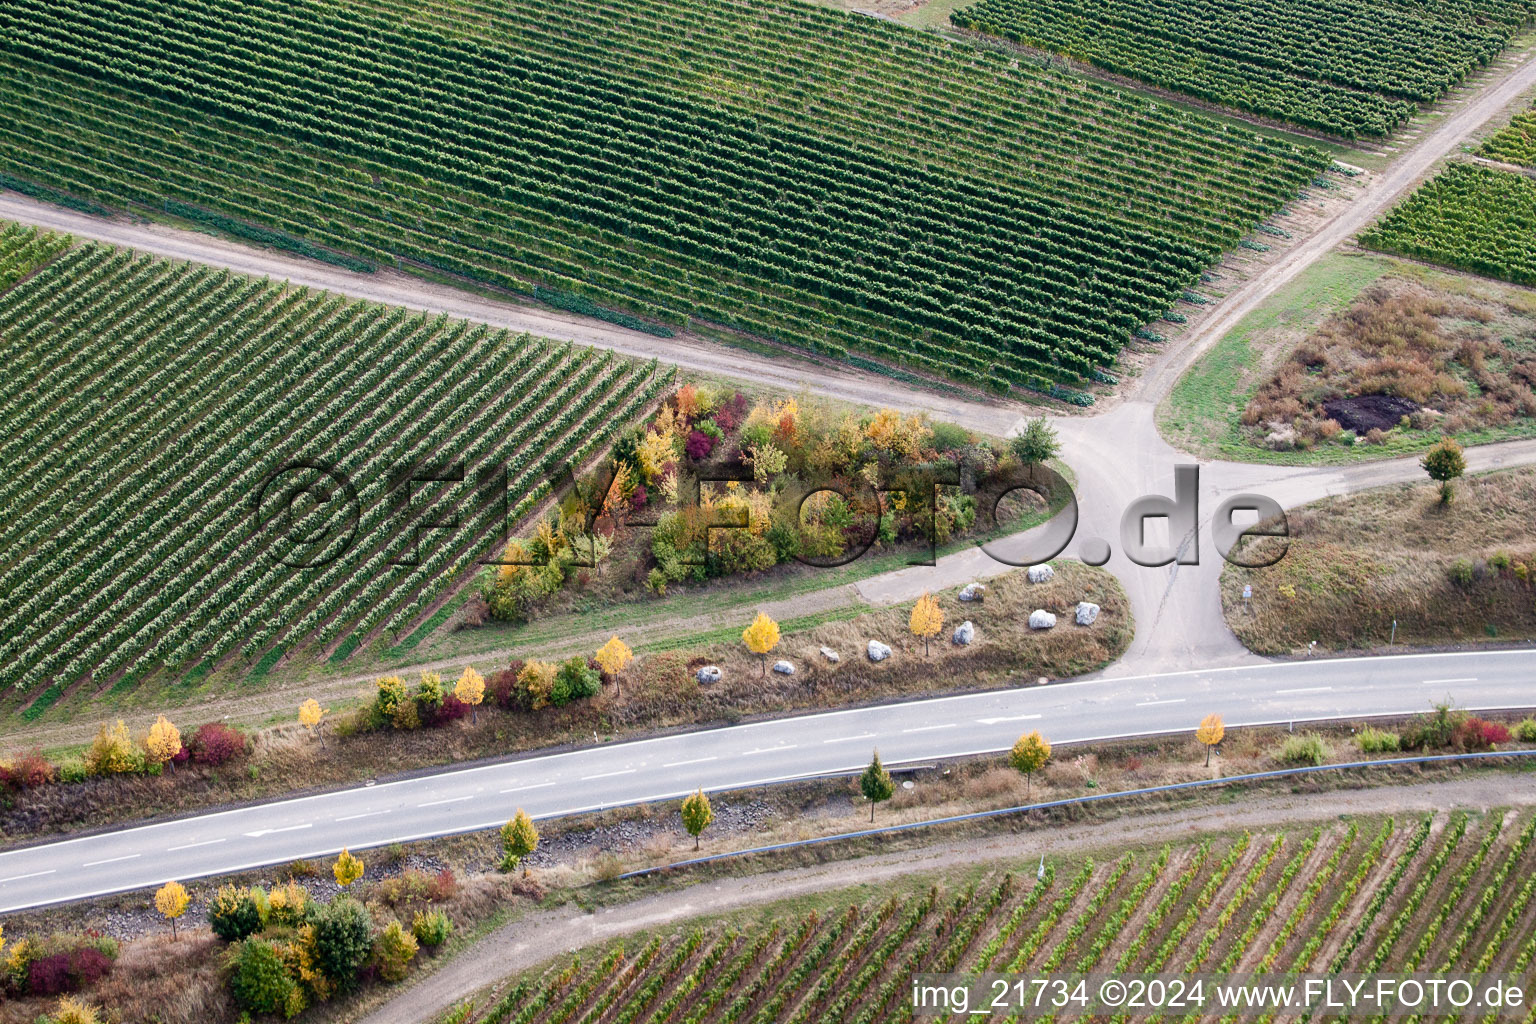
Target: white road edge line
(449, 800)
(189, 846)
(111, 860)
(679, 764)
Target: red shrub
(216, 743)
(699, 445)
(182, 756)
(49, 975)
(443, 886)
(1479, 734)
(88, 965)
(451, 710)
(638, 497)
(30, 770)
(730, 414)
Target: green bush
(1302, 750)
(260, 981)
(575, 680)
(1437, 729)
(431, 929)
(1461, 572)
(343, 940)
(1525, 732)
(1376, 741)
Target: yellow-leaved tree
(697, 814)
(927, 619)
(1210, 732)
(310, 716)
(612, 657)
(519, 838)
(347, 869)
(471, 690)
(761, 637)
(1030, 754)
(171, 900)
(162, 743)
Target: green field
(1433, 894)
(819, 178)
(156, 415)
(1362, 76)
(1468, 217)
(1515, 143)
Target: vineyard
(1514, 144)
(1362, 76)
(1468, 217)
(825, 180)
(1435, 894)
(200, 464)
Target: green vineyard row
(550, 167)
(1468, 217)
(149, 404)
(1362, 76)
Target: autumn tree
(310, 714)
(612, 657)
(1210, 732)
(519, 838)
(761, 637)
(927, 619)
(471, 690)
(697, 814)
(171, 900)
(876, 784)
(1029, 755)
(347, 869)
(1444, 463)
(162, 743)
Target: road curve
(748, 755)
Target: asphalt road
(754, 754)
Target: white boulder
(1041, 619)
(710, 674)
(878, 651)
(784, 668)
(1087, 612)
(965, 633)
(972, 591)
(831, 655)
(1041, 573)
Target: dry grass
(659, 691)
(1466, 362)
(1357, 563)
